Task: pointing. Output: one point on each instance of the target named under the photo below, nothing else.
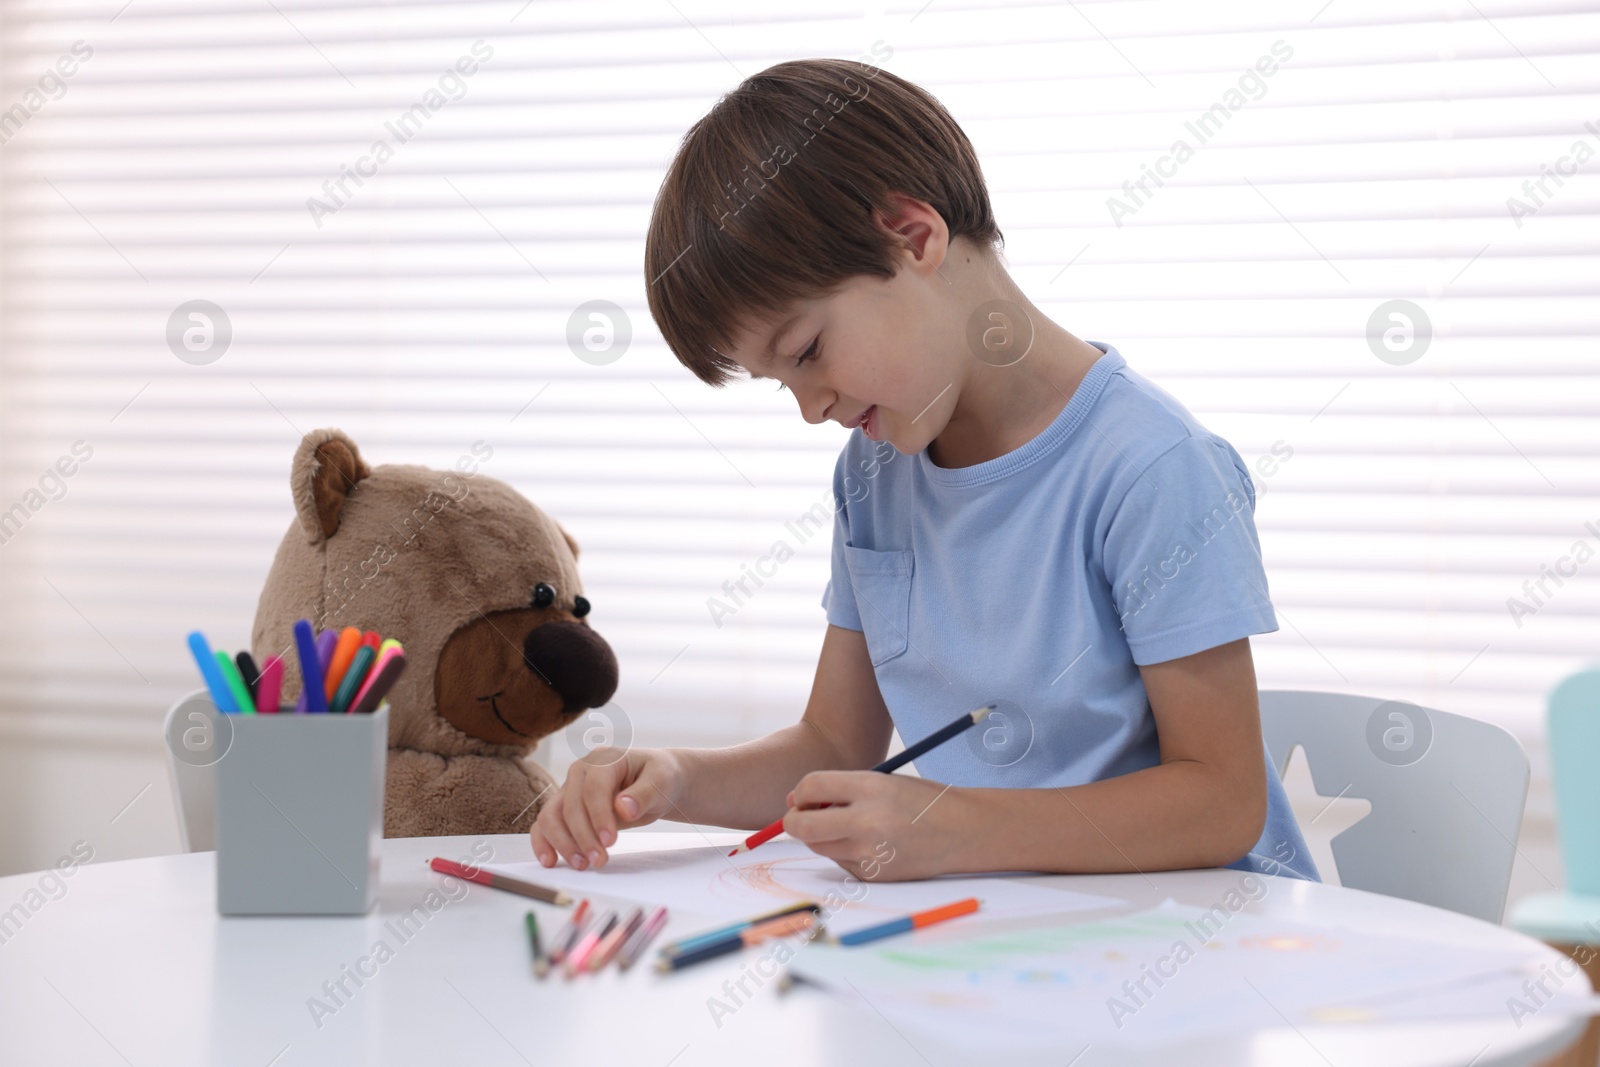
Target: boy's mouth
(866, 421)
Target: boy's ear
(917, 224)
(327, 465)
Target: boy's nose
(813, 406)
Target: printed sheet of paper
(723, 888)
(1154, 976)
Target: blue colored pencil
(688, 944)
(910, 922)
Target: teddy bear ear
(327, 466)
(570, 542)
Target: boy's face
(882, 350)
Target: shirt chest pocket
(881, 581)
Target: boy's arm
(846, 726)
(1203, 805)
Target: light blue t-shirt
(1122, 535)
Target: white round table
(131, 965)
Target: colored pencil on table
(271, 685)
(586, 944)
(634, 946)
(785, 927)
(888, 766)
(914, 921)
(541, 965)
(732, 928)
(610, 943)
(568, 935)
(499, 881)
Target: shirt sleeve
(1182, 555)
(839, 596)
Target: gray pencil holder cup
(300, 813)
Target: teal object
(1574, 733)
(1571, 916)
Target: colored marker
(247, 670)
(270, 686)
(785, 927)
(914, 921)
(373, 640)
(586, 944)
(221, 695)
(634, 946)
(344, 651)
(541, 965)
(382, 682)
(610, 943)
(888, 766)
(353, 677)
(326, 641)
(241, 695)
(310, 667)
(389, 650)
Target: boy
(1021, 518)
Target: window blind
(421, 297)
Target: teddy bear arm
(428, 795)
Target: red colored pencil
(568, 935)
(500, 881)
(888, 766)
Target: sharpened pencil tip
(738, 850)
(983, 712)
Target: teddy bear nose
(575, 660)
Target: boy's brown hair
(771, 197)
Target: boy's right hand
(606, 791)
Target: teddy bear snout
(576, 662)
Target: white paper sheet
(724, 889)
(1155, 976)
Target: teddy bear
(482, 590)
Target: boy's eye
(808, 354)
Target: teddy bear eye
(544, 595)
(580, 606)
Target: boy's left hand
(878, 827)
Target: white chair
(193, 778)
(1446, 791)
